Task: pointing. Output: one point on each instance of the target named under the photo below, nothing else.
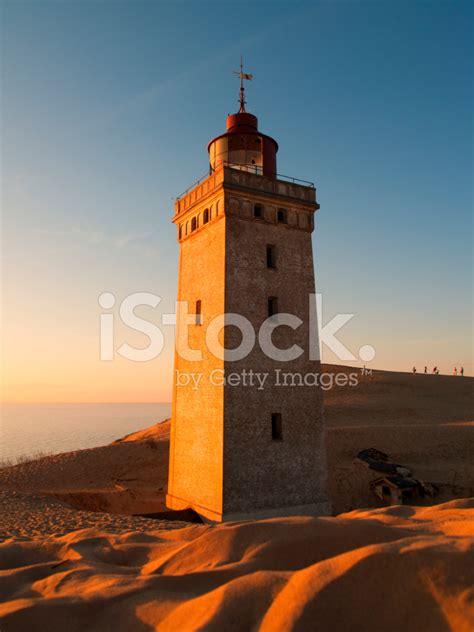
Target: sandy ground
(74, 558)
(423, 422)
(388, 569)
(27, 516)
(128, 476)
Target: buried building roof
(398, 482)
(372, 454)
(376, 460)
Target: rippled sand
(393, 569)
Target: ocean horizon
(27, 430)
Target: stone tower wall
(223, 460)
(260, 472)
(196, 446)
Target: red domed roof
(242, 120)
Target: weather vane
(243, 75)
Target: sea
(30, 430)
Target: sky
(106, 111)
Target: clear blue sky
(107, 108)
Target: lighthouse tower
(247, 436)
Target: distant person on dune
(461, 371)
(455, 372)
(414, 370)
(434, 370)
(426, 370)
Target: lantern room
(244, 147)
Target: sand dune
(28, 516)
(424, 422)
(388, 569)
(128, 476)
(398, 568)
(389, 397)
(421, 421)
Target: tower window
(272, 306)
(198, 313)
(281, 216)
(271, 256)
(193, 224)
(258, 211)
(205, 216)
(277, 429)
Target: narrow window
(205, 216)
(271, 256)
(198, 313)
(180, 231)
(277, 430)
(281, 216)
(193, 224)
(272, 306)
(258, 211)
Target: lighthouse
(247, 441)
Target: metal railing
(204, 177)
(253, 169)
(257, 170)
